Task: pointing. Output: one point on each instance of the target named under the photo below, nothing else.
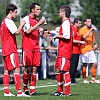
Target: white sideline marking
(36, 86)
(45, 86)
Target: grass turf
(44, 88)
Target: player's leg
(84, 60)
(59, 78)
(26, 63)
(6, 76)
(66, 76)
(92, 59)
(36, 64)
(73, 67)
(26, 79)
(15, 63)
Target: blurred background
(49, 8)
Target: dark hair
(86, 19)
(67, 10)
(10, 7)
(76, 20)
(32, 6)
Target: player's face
(78, 24)
(60, 13)
(14, 13)
(37, 10)
(88, 22)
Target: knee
(95, 65)
(34, 70)
(17, 70)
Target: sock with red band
(6, 80)
(67, 82)
(59, 78)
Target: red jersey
(30, 41)
(76, 36)
(65, 46)
(8, 38)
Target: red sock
(67, 81)
(25, 81)
(6, 83)
(59, 78)
(93, 72)
(84, 72)
(17, 82)
(32, 83)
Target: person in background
(43, 46)
(30, 47)
(64, 53)
(76, 48)
(9, 50)
(87, 51)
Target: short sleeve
(27, 23)
(11, 25)
(66, 29)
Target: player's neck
(64, 18)
(32, 15)
(9, 16)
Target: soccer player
(76, 48)
(30, 47)
(64, 53)
(87, 52)
(9, 50)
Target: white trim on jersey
(63, 63)
(12, 59)
(66, 29)
(10, 25)
(24, 58)
(27, 23)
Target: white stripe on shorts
(63, 63)
(12, 59)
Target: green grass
(78, 91)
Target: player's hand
(95, 47)
(41, 21)
(92, 28)
(54, 37)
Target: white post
(44, 63)
(98, 61)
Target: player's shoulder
(26, 18)
(8, 21)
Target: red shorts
(11, 61)
(31, 58)
(62, 64)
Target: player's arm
(78, 41)
(22, 23)
(65, 31)
(41, 21)
(12, 27)
(95, 45)
(87, 34)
